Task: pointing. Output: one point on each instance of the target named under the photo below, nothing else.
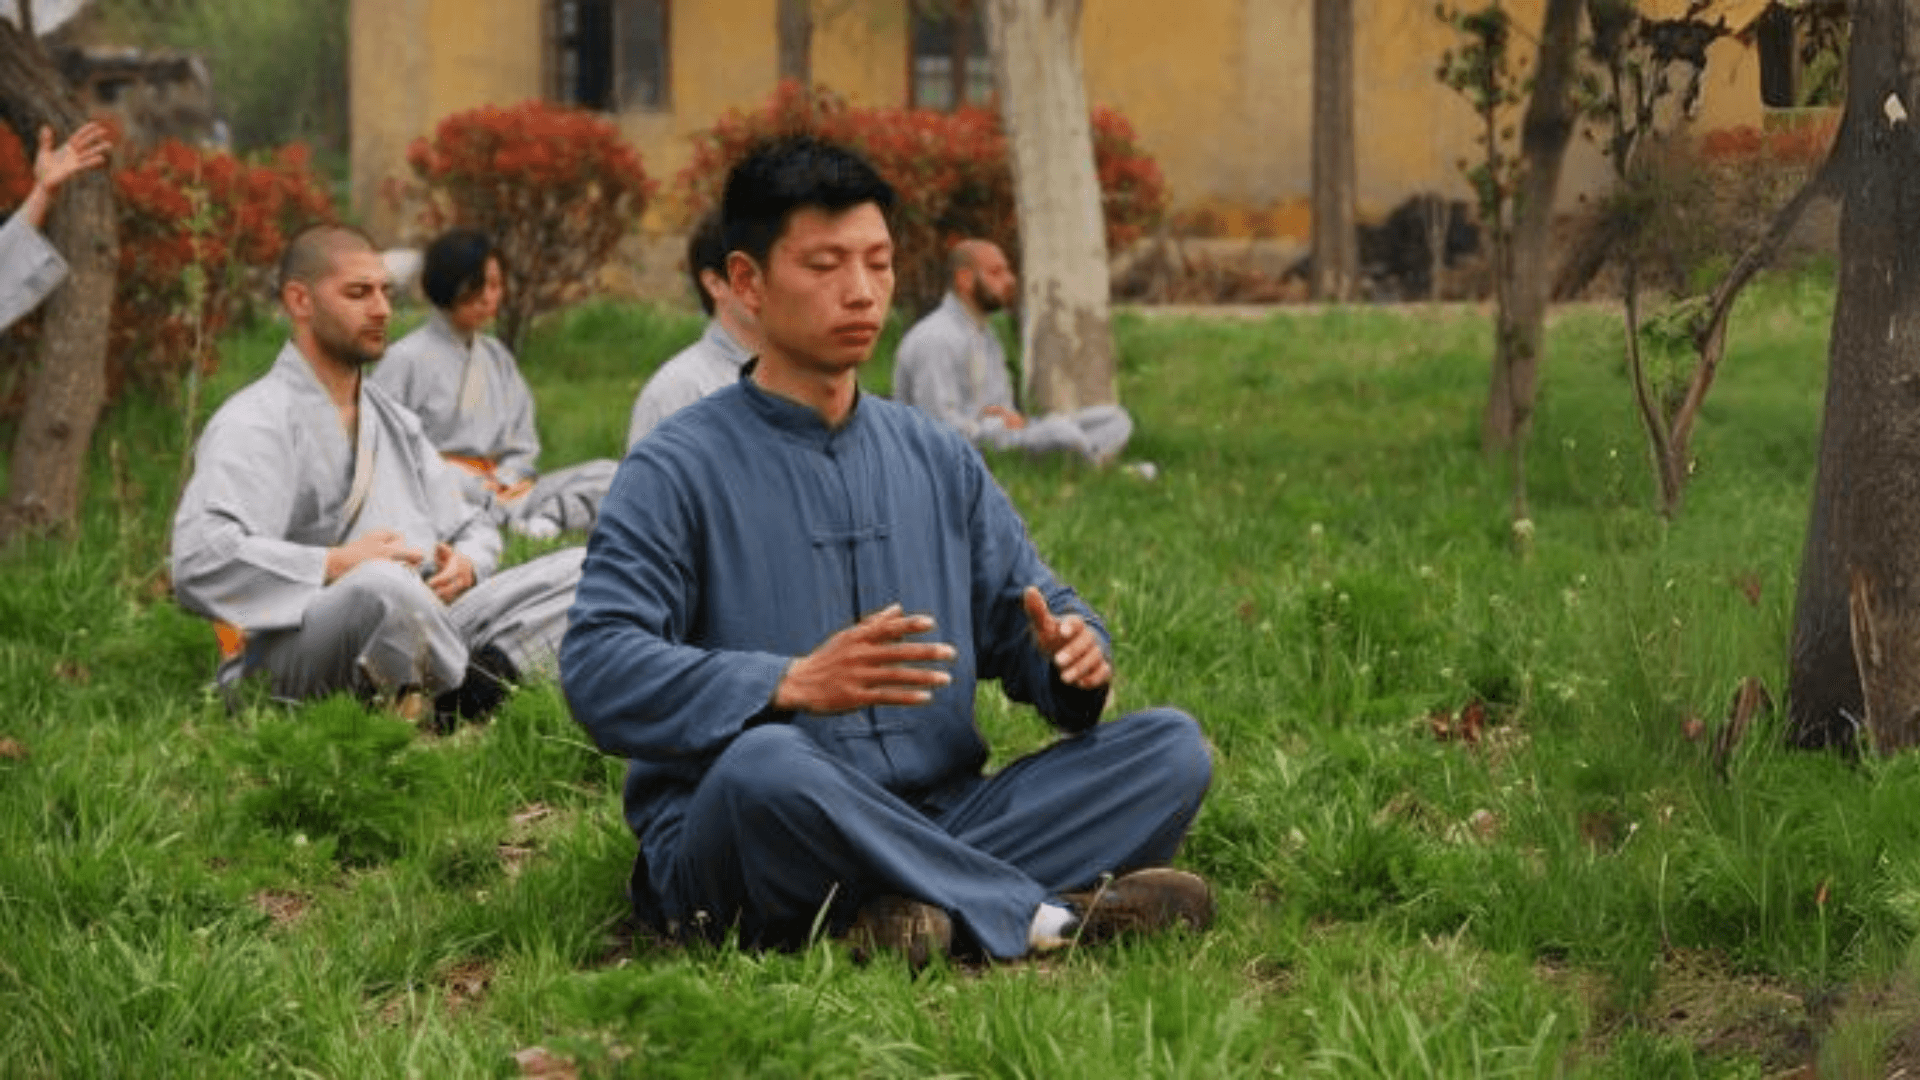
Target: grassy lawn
(1322, 573)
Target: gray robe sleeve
(928, 379)
(664, 395)
(464, 526)
(29, 269)
(229, 561)
(519, 456)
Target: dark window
(609, 54)
(1802, 53)
(642, 31)
(1773, 39)
(949, 62)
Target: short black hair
(797, 172)
(706, 250)
(456, 266)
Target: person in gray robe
(328, 539)
(474, 404)
(715, 360)
(29, 266)
(951, 364)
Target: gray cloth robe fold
(273, 488)
(473, 402)
(953, 368)
(709, 364)
(29, 269)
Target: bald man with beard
(325, 535)
(951, 365)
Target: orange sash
(478, 466)
(232, 639)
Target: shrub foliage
(950, 169)
(556, 188)
(200, 232)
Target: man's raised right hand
(377, 544)
(868, 663)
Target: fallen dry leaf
(1484, 823)
(1693, 728)
(13, 750)
(1749, 701)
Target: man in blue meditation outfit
(791, 594)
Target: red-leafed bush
(200, 234)
(16, 169)
(950, 170)
(1795, 146)
(556, 188)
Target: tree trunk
(1336, 247)
(794, 26)
(67, 388)
(1067, 342)
(1855, 665)
(1544, 135)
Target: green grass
(1322, 565)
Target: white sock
(1050, 929)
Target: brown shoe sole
(1144, 901)
(896, 924)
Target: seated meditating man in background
(328, 539)
(951, 365)
(465, 387)
(714, 361)
(790, 596)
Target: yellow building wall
(413, 63)
(860, 50)
(724, 56)
(387, 80)
(1220, 93)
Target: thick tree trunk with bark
(794, 31)
(1067, 342)
(67, 388)
(1336, 246)
(1855, 675)
(1544, 135)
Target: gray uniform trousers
(1097, 433)
(777, 828)
(379, 628)
(570, 496)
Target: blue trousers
(778, 831)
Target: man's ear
(297, 298)
(746, 279)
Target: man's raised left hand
(1070, 643)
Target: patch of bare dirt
(466, 984)
(284, 908)
(1729, 1015)
(538, 1061)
